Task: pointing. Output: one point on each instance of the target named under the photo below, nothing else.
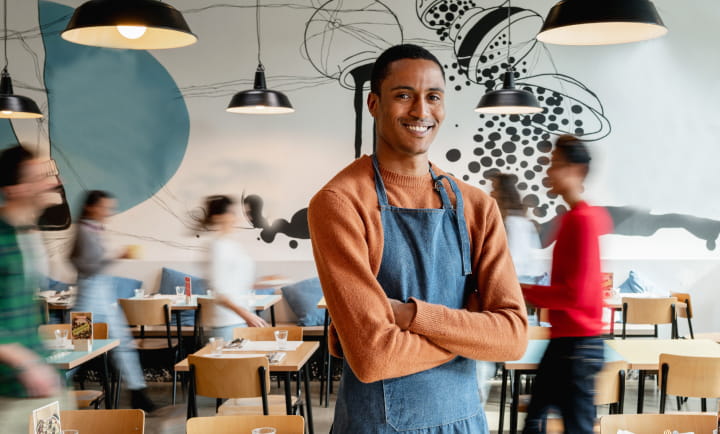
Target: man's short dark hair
(11, 161)
(398, 52)
(573, 150)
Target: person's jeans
(566, 381)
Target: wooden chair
(104, 421)
(657, 423)
(652, 311)
(295, 333)
(84, 398)
(285, 424)
(685, 312)
(243, 381)
(163, 351)
(689, 376)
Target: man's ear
(373, 100)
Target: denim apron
(426, 255)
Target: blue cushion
(125, 287)
(635, 284)
(303, 297)
(171, 278)
(50, 284)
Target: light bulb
(132, 32)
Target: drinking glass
(209, 292)
(179, 290)
(264, 430)
(281, 339)
(139, 293)
(60, 336)
(216, 345)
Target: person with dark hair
(565, 377)
(26, 382)
(414, 267)
(523, 238)
(231, 273)
(97, 294)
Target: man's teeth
(420, 129)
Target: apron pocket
(436, 397)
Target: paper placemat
(269, 346)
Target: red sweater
(575, 297)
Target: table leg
(325, 375)
(288, 393)
(272, 315)
(641, 391)
(514, 403)
(180, 337)
(308, 405)
(503, 398)
(106, 383)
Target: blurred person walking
(26, 381)
(97, 293)
(231, 273)
(565, 378)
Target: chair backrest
(610, 383)
(146, 312)
(104, 421)
(694, 377)
(231, 424)
(657, 423)
(683, 297)
(648, 310)
(229, 377)
(47, 331)
(295, 333)
(537, 332)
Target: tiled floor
(171, 420)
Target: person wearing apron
(415, 270)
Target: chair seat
(153, 344)
(87, 398)
(276, 405)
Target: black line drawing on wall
(342, 40)
(296, 228)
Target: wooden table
(294, 361)
(260, 303)
(65, 360)
(644, 355)
(528, 364)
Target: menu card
(607, 284)
(46, 419)
(81, 325)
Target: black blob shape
(537, 168)
(489, 145)
(529, 174)
(531, 200)
(539, 212)
(560, 209)
(522, 186)
(543, 160)
(499, 162)
(538, 118)
(293, 244)
(496, 152)
(509, 147)
(478, 138)
(478, 151)
(474, 167)
(453, 155)
(511, 159)
(546, 182)
(489, 124)
(534, 188)
(523, 164)
(577, 109)
(558, 110)
(528, 151)
(511, 131)
(526, 132)
(490, 173)
(494, 136)
(544, 146)
(579, 131)
(486, 161)
(466, 178)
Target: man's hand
(40, 380)
(253, 320)
(404, 312)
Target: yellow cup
(134, 251)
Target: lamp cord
(257, 27)
(6, 31)
(509, 67)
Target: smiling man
(415, 269)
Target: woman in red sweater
(565, 378)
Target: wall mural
(129, 102)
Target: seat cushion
(125, 287)
(171, 278)
(303, 297)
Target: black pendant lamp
(259, 99)
(508, 100)
(132, 24)
(586, 22)
(14, 106)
